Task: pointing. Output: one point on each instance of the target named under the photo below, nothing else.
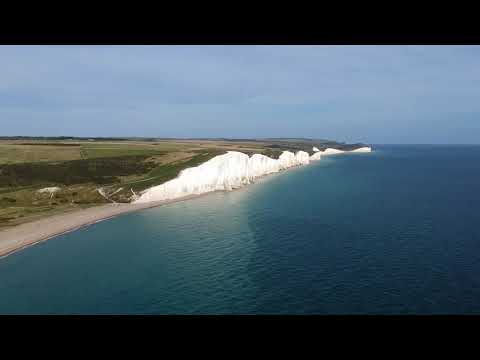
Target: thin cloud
(363, 93)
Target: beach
(24, 235)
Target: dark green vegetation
(95, 170)
(92, 171)
(48, 144)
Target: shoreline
(28, 234)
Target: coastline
(31, 233)
(28, 234)
(24, 235)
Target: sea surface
(396, 231)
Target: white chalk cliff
(227, 172)
(330, 151)
(363, 149)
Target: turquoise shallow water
(391, 232)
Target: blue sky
(374, 94)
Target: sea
(395, 231)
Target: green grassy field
(17, 153)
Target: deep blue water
(396, 231)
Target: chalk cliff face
(260, 165)
(302, 158)
(363, 149)
(287, 159)
(227, 172)
(315, 149)
(224, 172)
(330, 151)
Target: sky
(371, 94)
